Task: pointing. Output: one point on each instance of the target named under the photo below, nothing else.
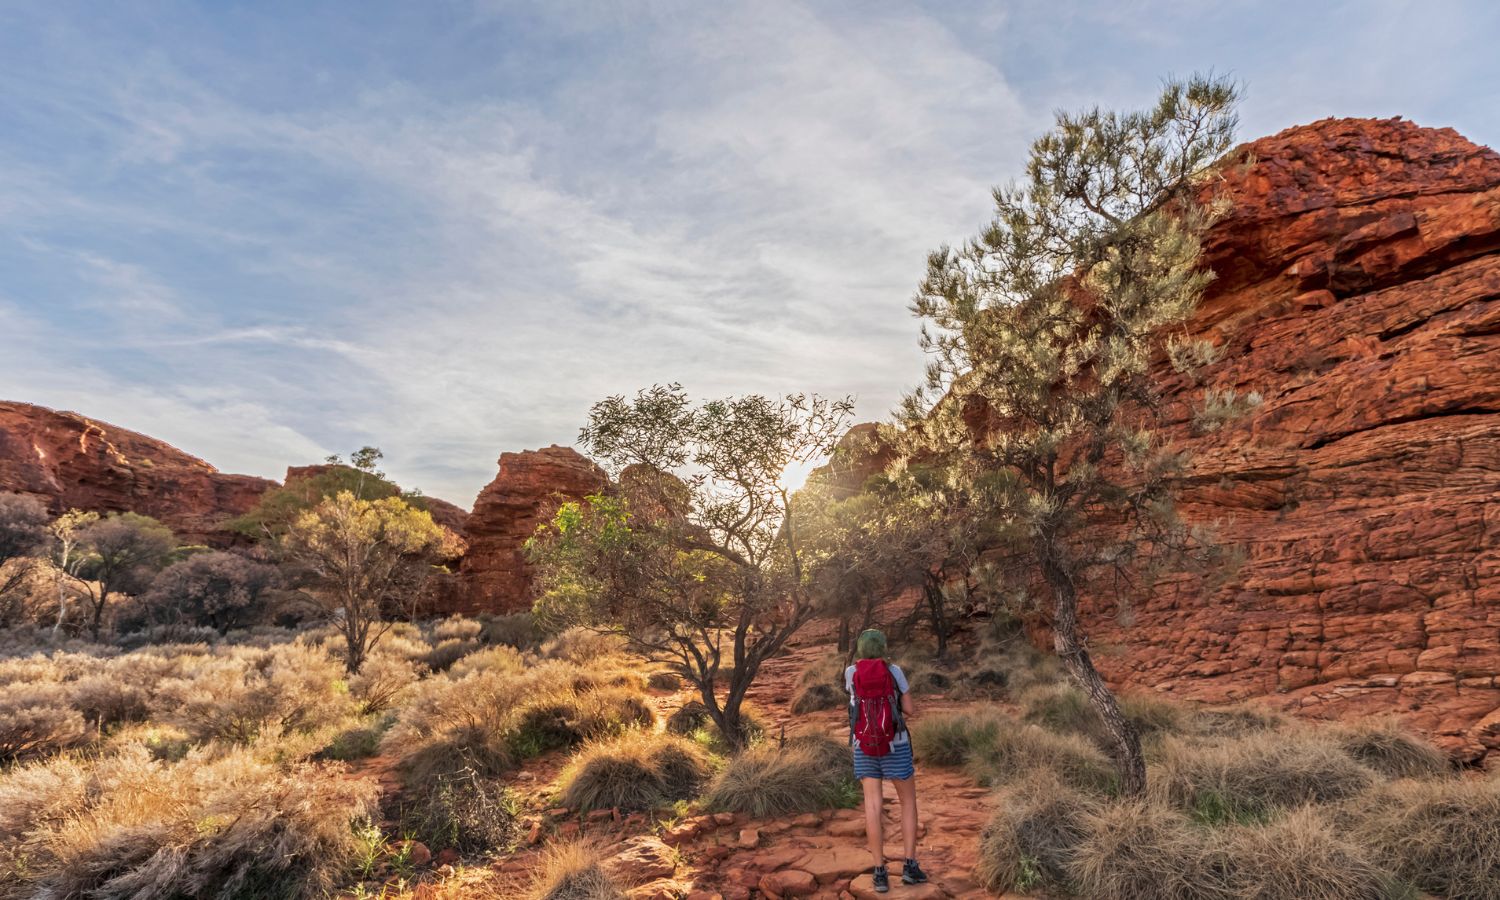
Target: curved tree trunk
(1129, 761)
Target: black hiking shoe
(882, 879)
(911, 873)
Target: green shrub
(518, 629)
(1018, 751)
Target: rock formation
(1358, 292)
(530, 486)
(72, 461)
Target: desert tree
(360, 561)
(695, 557)
(23, 539)
(66, 555)
(120, 554)
(214, 589)
(1042, 332)
(277, 509)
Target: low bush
(518, 629)
(572, 871)
(688, 718)
(1248, 779)
(1133, 849)
(820, 686)
(951, 740)
(130, 826)
(809, 774)
(1029, 843)
(447, 652)
(465, 811)
(568, 719)
(1235, 721)
(1296, 857)
(501, 658)
(580, 645)
(638, 771)
(235, 697)
(1063, 708)
(384, 681)
(1441, 836)
(664, 681)
(455, 628)
(36, 720)
(1391, 750)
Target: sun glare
(794, 476)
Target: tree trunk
(98, 621)
(937, 613)
(844, 634)
(1129, 761)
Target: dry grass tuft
(465, 811)
(1133, 850)
(1388, 748)
(641, 770)
(572, 871)
(128, 826)
(1248, 779)
(1297, 857)
(820, 686)
(1030, 841)
(810, 773)
(1441, 836)
(35, 720)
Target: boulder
(641, 859)
(495, 575)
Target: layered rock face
(1358, 291)
(494, 574)
(71, 461)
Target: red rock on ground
(72, 461)
(530, 486)
(1358, 291)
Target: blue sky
(267, 231)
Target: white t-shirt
(900, 678)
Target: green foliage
(278, 509)
(362, 559)
(1042, 331)
(694, 558)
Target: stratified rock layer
(72, 461)
(495, 575)
(1359, 292)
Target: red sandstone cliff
(71, 461)
(1359, 292)
(495, 575)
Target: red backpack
(874, 717)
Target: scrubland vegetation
(186, 723)
(1243, 802)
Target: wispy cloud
(449, 229)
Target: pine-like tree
(1042, 331)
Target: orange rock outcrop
(1358, 292)
(72, 461)
(495, 575)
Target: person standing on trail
(879, 705)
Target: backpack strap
(896, 707)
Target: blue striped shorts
(894, 766)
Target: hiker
(879, 705)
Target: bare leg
(907, 791)
(874, 834)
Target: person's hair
(871, 644)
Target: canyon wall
(71, 461)
(1358, 292)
